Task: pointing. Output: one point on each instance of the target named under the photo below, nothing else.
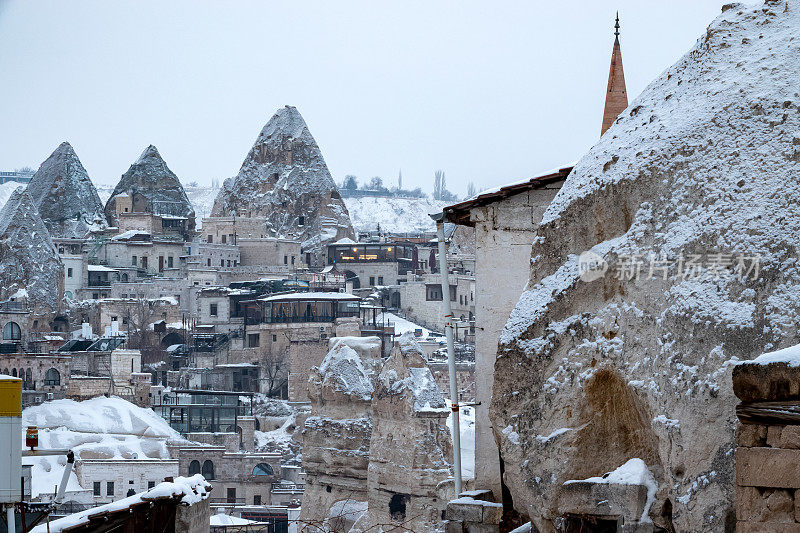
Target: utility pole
(451, 356)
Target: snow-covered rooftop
(311, 296)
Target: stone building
(138, 253)
(290, 333)
(114, 479)
(421, 301)
(505, 222)
(150, 187)
(44, 376)
(768, 442)
(14, 318)
(240, 477)
(374, 264)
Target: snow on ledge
(189, 490)
(633, 472)
(790, 356)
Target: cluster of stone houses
(194, 321)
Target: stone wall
(768, 448)
(125, 474)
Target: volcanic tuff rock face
(337, 434)
(65, 196)
(593, 373)
(28, 258)
(155, 187)
(410, 447)
(284, 178)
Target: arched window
(14, 372)
(52, 377)
(194, 467)
(11, 332)
(124, 277)
(263, 469)
(5, 371)
(208, 469)
(28, 375)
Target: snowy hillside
(400, 215)
(6, 189)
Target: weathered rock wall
(336, 437)
(410, 447)
(65, 196)
(688, 190)
(30, 267)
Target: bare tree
(274, 372)
(439, 184)
(471, 189)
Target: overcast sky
(490, 92)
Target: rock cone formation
(696, 184)
(154, 187)
(28, 259)
(284, 178)
(410, 448)
(337, 434)
(65, 196)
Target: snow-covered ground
(6, 189)
(399, 215)
(401, 325)
(101, 427)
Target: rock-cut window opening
(397, 506)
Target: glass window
(263, 469)
(96, 488)
(110, 488)
(52, 377)
(12, 332)
(208, 469)
(194, 468)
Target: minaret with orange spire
(616, 95)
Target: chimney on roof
(616, 95)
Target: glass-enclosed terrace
(370, 253)
(302, 307)
(194, 411)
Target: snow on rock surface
(396, 215)
(28, 258)
(790, 356)
(342, 370)
(65, 196)
(336, 437)
(155, 187)
(704, 163)
(633, 472)
(284, 177)
(188, 490)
